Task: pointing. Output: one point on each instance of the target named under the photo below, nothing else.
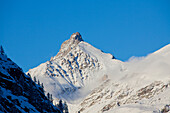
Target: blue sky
(31, 31)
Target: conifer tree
(35, 79)
(60, 106)
(38, 82)
(48, 96)
(65, 109)
(51, 98)
(29, 74)
(42, 85)
(2, 50)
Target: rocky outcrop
(74, 40)
(111, 95)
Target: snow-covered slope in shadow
(18, 93)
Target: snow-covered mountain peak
(77, 65)
(79, 69)
(69, 44)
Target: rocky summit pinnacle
(76, 36)
(66, 46)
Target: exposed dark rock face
(18, 93)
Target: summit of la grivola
(67, 45)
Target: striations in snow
(94, 82)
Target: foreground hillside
(18, 93)
(94, 82)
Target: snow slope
(93, 81)
(144, 86)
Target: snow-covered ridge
(79, 69)
(144, 86)
(164, 50)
